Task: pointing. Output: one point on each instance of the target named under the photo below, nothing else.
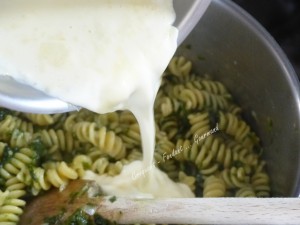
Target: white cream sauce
(138, 181)
(103, 55)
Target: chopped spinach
(112, 199)
(55, 220)
(8, 153)
(3, 113)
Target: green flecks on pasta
(202, 141)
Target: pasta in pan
(202, 141)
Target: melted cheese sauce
(101, 55)
(138, 181)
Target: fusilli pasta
(202, 141)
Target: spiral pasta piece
(235, 177)
(70, 122)
(40, 119)
(59, 173)
(214, 87)
(214, 187)
(159, 134)
(10, 203)
(94, 153)
(234, 109)
(200, 124)
(169, 167)
(219, 151)
(18, 161)
(165, 150)
(132, 137)
(166, 163)
(165, 106)
(11, 207)
(62, 139)
(127, 117)
(188, 180)
(6, 127)
(244, 155)
(170, 127)
(2, 147)
(213, 101)
(20, 138)
(245, 192)
(100, 166)
(38, 181)
(103, 166)
(261, 184)
(237, 128)
(209, 156)
(199, 155)
(3, 196)
(86, 132)
(111, 144)
(134, 155)
(203, 158)
(107, 141)
(180, 66)
(109, 120)
(11, 123)
(83, 115)
(164, 157)
(81, 163)
(194, 98)
(182, 147)
(14, 183)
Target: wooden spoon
(85, 195)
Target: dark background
(282, 19)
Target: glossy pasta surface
(202, 140)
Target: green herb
(201, 58)
(199, 185)
(171, 78)
(8, 153)
(270, 123)
(188, 46)
(39, 148)
(4, 113)
(31, 168)
(238, 164)
(220, 166)
(258, 150)
(253, 137)
(183, 123)
(55, 220)
(213, 118)
(99, 220)
(79, 217)
(74, 195)
(86, 166)
(2, 183)
(189, 168)
(112, 199)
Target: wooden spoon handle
(204, 211)
(161, 211)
